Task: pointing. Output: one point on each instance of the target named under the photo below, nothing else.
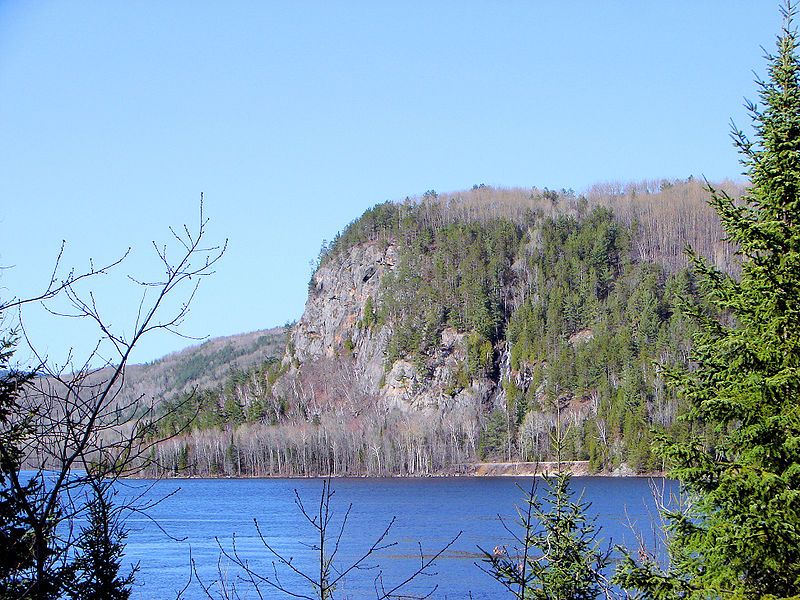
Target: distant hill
(203, 366)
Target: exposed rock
(623, 470)
(332, 326)
(579, 337)
(399, 385)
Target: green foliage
(741, 538)
(256, 410)
(17, 555)
(516, 402)
(448, 276)
(222, 406)
(348, 347)
(459, 379)
(196, 365)
(370, 318)
(183, 459)
(559, 556)
(100, 548)
(479, 355)
(597, 325)
(377, 223)
(493, 442)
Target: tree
(16, 550)
(72, 428)
(558, 556)
(99, 548)
(740, 537)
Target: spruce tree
(16, 553)
(99, 548)
(741, 537)
(28, 565)
(559, 555)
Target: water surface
(206, 513)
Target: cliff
(334, 327)
(331, 323)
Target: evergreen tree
(494, 435)
(31, 564)
(741, 538)
(559, 556)
(100, 547)
(16, 551)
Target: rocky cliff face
(330, 326)
(333, 327)
(437, 386)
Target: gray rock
(331, 328)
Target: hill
(203, 366)
(444, 330)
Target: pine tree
(16, 553)
(559, 555)
(741, 538)
(28, 565)
(100, 547)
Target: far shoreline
(472, 471)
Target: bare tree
(329, 573)
(78, 433)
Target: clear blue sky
(294, 117)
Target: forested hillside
(201, 367)
(445, 330)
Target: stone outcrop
(333, 327)
(405, 386)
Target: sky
(292, 118)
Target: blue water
(197, 517)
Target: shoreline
(474, 470)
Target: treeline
(245, 428)
(664, 215)
(372, 444)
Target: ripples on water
(431, 511)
